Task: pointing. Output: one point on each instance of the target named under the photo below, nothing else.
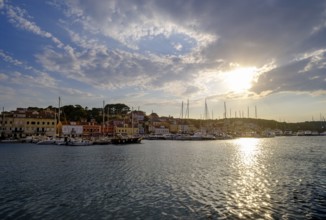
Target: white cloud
(177, 46)
(20, 19)
(9, 59)
(7, 93)
(317, 60)
(3, 77)
(129, 23)
(2, 4)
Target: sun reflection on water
(248, 150)
(250, 191)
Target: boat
(124, 139)
(202, 136)
(10, 141)
(155, 137)
(183, 137)
(49, 141)
(102, 141)
(79, 142)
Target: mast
(187, 110)
(256, 111)
(2, 122)
(182, 126)
(224, 110)
(132, 121)
(59, 113)
(206, 110)
(55, 125)
(248, 111)
(181, 113)
(103, 118)
(59, 109)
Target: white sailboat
(53, 140)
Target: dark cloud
(293, 78)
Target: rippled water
(275, 178)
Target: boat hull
(127, 140)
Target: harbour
(244, 178)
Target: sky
(261, 58)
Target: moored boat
(121, 139)
(10, 141)
(79, 142)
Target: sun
(240, 79)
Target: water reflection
(250, 197)
(248, 150)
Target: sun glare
(240, 79)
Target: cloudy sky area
(155, 54)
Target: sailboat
(53, 140)
(202, 134)
(102, 140)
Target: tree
(117, 109)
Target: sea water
(246, 178)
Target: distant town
(77, 121)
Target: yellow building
(40, 124)
(22, 123)
(126, 130)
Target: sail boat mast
(224, 110)
(132, 120)
(59, 109)
(2, 122)
(103, 118)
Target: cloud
(2, 4)
(20, 18)
(129, 22)
(7, 93)
(3, 77)
(306, 74)
(9, 59)
(178, 48)
(212, 32)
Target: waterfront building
(174, 128)
(24, 122)
(161, 130)
(92, 129)
(40, 123)
(126, 130)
